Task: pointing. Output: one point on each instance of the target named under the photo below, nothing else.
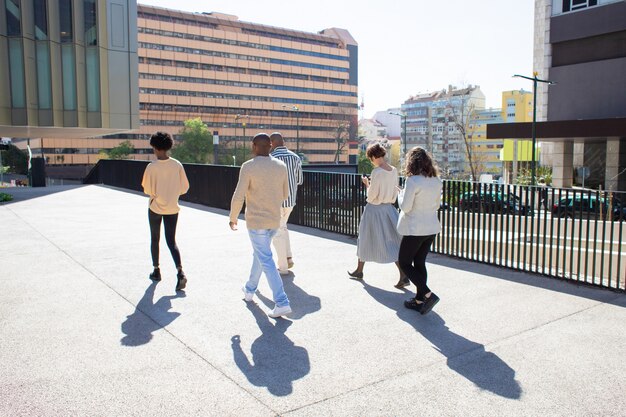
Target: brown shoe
(355, 275)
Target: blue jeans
(262, 261)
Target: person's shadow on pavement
(301, 302)
(148, 317)
(485, 369)
(276, 360)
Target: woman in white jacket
(418, 224)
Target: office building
(69, 70)
(581, 120)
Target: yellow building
(485, 154)
(516, 154)
(501, 156)
(240, 78)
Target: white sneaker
(280, 311)
(247, 295)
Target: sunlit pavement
(83, 331)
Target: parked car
(493, 202)
(588, 206)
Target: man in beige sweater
(263, 185)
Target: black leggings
(169, 220)
(412, 259)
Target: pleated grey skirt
(378, 240)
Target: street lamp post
(403, 119)
(243, 125)
(535, 80)
(297, 110)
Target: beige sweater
(263, 185)
(164, 181)
(383, 186)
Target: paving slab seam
(459, 355)
(189, 348)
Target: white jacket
(419, 202)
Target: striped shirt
(294, 172)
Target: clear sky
(408, 46)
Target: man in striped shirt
(294, 171)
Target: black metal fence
(563, 233)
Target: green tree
(15, 159)
(196, 145)
(365, 165)
(523, 177)
(544, 175)
(121, 151)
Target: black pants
(412, 260)
(169, 220)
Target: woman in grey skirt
(379, 240)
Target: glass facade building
(71, 69)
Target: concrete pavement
(84, 332)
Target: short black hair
(261, 137)
(162, 141)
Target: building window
(92, 58)
(14, 18)
(91, 29)
(44, 85)
(16, 68)
(92, 69)
(41, 20)
(42, 52)
(572, 5)
(68, 61)
(65, 20)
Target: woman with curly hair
(418, 224)
(378, 239)
(164, 180)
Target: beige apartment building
(239, 78)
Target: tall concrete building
(239, 78)
(69, 69)
(434, 121)
(581, 46)
(236, 75)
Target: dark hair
(161, 141)
(375, 150)
(261, 137)
(276, 135)
(419, 162)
